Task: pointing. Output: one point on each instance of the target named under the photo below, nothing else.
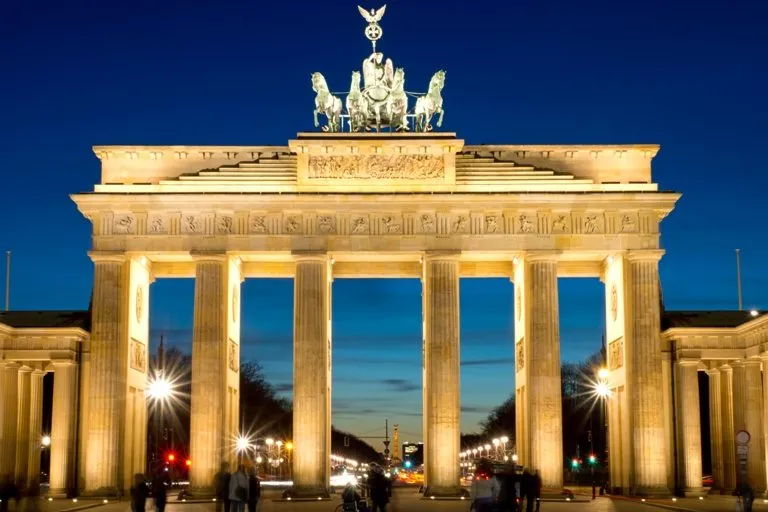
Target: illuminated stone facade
(333, 206)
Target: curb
(656, 504)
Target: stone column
(727, 425)
(644, 373)
(215, 356)
(63, 431)
(764, 361)
(542, 327)
(22, 427)
(716, 427)
(8, 425)
(442, 408)
(311, 376)
(748, 415)
(35, 430)
(689, 427)
(107, 376)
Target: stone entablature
(392, 163)
(34, 345)
(400, 223)
(748, 340)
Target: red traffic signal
(171, 457)
(189, 463)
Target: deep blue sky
(689, 75)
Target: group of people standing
(235, 491)
(506, 491)
(378, 487)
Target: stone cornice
(42, 332)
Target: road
(407, 500)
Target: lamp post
(603, 391)
(159, 391)
(496, 443)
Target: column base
(200, 493)
(652, 492)
(318, 493)
(445, 493)
(695, 492)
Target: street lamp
(46, 441)
(496, 443)
(159, 391)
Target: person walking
(159, 489)
(485, 488)
(378, 484)
(238, 490)
(221, 485)
(254, 490)
(537, 488)
(139, 493)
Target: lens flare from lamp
(159, 388)
(603, 373)
(602, 390)
(46, 441)
(242, 443)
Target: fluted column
(311, 376)
(8, 425)
(22, 427)
(442, 409)
(35, 430)
(748, 415)
(689, 427)
(764, 361)
(215, 367)
(715, 427)
(727, 425)
(644, 380)
(107, 378)
(63, 437)
(542, 326)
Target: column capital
(441, 255)
(317, 256)
(25, 369)
(726, 368)
(107, 256)
(211, 256)
(546, 256)
(645, 255)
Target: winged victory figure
(374, 16)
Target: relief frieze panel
(520, 354)
(381, 167)
(382, 223)
(616, 354)
(138, 355)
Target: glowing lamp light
(592, 459)
(159, 388)
(269, 441)
(753, 312)
(46, 441)
(242, 444)
(603, 373)
(289, 445)
(188, 463)
(575, 463)
(259, 460)
(602, 390)
(171, 457)
(408, 464)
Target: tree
(501, 420)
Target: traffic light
(575, 463)
(592, 459)
(189, 463)
(171, 457)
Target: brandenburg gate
(355, 205)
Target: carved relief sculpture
(526, 224)
(616, 354)
(591, 224)
(360, 225)
(391, 225)
(520, 354)
(124, 224)
(258, 224)
(614, 302)
(560, 224)
(491, 224)
(157, 225)
(326, 224)
(192, 224)
(427, 223)
(628, 224)
(225, 225)
(138, 356)
(292, 224)
(519, 303)
(234, 356)
(383, 167)
(460, 225)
